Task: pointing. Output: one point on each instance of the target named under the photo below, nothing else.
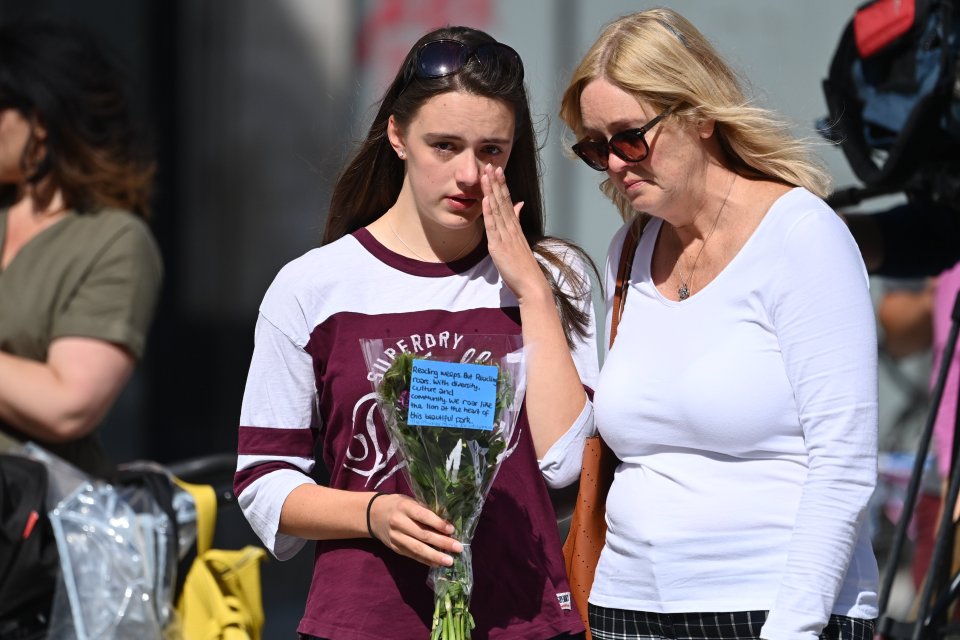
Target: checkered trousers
(620, 624)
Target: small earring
(402, 154)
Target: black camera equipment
(893, 97)
(940, 590)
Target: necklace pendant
(683, 291)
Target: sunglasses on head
(439, 58)
(630, 146)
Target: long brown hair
(373, 178)
(60, 78)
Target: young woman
(423, 243)
(740, 394)
(79, 270)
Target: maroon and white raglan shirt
(307, 391)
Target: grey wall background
(278, 93)
(257, 104)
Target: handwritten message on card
(450, 394)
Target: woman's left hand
(505, 240)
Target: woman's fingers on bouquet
(505, 240)
(428, 548)
(412, 530)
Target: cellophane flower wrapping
(449, 468)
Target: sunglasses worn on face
(439, 58)
(630, 146)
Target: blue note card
(452, 394)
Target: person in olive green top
(80, 272)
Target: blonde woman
(740, 394)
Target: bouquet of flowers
(451, 415)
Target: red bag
(877, 25)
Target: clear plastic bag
(117, 553)
(451, 414)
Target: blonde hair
(658, 56)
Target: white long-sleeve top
(746, 420)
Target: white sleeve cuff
(560, 466)
(262, 502)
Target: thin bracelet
(370, 504)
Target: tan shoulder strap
(630, 243)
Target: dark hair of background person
(59, 76)
(371, 181)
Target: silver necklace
(421, 258)
(683, 291)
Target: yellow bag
(221, 598)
